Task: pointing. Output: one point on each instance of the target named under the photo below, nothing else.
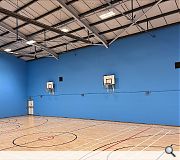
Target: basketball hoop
(109, 83)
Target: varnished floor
(64, 134)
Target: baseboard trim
(13, 116)
(90, 119)
(110, 121)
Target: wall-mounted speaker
(60, 79)
(177, 65)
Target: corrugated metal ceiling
(51, 13)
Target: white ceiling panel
(133, 29)
(173, 18)
(80, 6)
(8, 5)
(123, 20)
(36, 9)
(150, 12)
(168, 6)
(110, 35)
(102, 27)
(27, 58)
(93, 4)
(12, 22)
(93, 18)
(46, 4)
(114, 22)
(72, 26)
(145, 2)
(158, 22)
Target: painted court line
(146, 140)
(83, 134)
(139, 152)
(93, 153)
(140, 142)
(128, 130)
(103, 138)
(61, 131)
(156, 140)
(72, 124)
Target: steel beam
(135, 21)
(126, 26)
(75, 15)
(39, 24)
(82, 15)
(20, 8)
(111, 30)
(20, 54)
(142, 21)
(39, 17)
(22, 36)
(131, 18)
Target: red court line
(116, 143)
(17, 130)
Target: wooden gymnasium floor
(30, 133)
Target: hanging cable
(35, 57)
(132, 7)
(17, 36)
(45, 39)
(88, 34)
(66, 47)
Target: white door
(30, 107)
(31, 111)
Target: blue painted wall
(13, 88)
(140, 63)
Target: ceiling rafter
(92, 24)
(121, 27)
(66, 21)
(39, 24)
(108, 28)
(20, 8)
(125, 26)
(75, 15)
(143, 21)
(39, 17)
(21, 54)
(131, 17)
(135, 21)
(81, 15)
(108, 19)
(22, 36)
